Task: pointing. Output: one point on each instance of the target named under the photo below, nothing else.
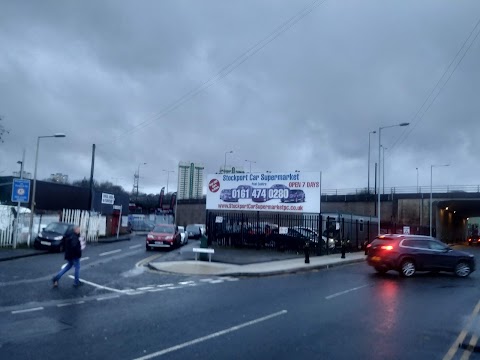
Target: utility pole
(15, 236)
(90, 199)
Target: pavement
(266, 268)
(244, 262)
(7, 254)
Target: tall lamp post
(431, 191)
(370, 133)
(32, 206)
(379, 165)
(225, 163)
(383, 168)
(138, 177)
(251, 161)
(168, 176)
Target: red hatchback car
(163, 236)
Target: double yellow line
(461, 338)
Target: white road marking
(206, 280)
(135, 246)
(344, 292)
(108, 297)
(186, 282)
(146, 288)
(216, 281)
(27, 310)
(71, 303)
(110, 252)
(174, 287)
(164, 285)
(211, 336)
(84, 259)
(156, 290)
(228, 278)
(99, 286)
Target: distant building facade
(190, 180)
(59, 178)
(26, 175)
(231, 169)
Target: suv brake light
(387, 247)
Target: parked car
(294, 195)
(183, 235)
(313, 236)
(52, 237)
(408, 254)
(193, 231)
(163, 236)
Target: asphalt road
(125, 311)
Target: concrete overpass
(409, 206)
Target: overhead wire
(406, 133)
(226, 70)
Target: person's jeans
(76, 264)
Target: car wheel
(407, 269)
(462, 269)
(380, 270)
(148, 248)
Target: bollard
(307, 252)
(343, 249)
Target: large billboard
(297, 192)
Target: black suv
(410, 253)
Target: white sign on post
(283, 230)
(406, 230)
(108, 199)
(124, 221)
(219, 219)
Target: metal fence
(323, 234)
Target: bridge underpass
(452, 218)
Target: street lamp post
(379, 162)
(370, 133)
(431, 191)
(168, 176)
(383, 168)
(251, 161)
(225, 163)
(15, 236)
(32, 206)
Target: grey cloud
(95, 70)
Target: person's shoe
(55, 283)
(77, 284)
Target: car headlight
(169, 237)
(150, 237)
(40, 234)
(58, 238)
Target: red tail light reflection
(387, 247)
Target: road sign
(108, 199)
(406, 230)
(21, 190)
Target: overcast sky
(107, 72)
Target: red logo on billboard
(214, 185)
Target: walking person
(73, 253)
